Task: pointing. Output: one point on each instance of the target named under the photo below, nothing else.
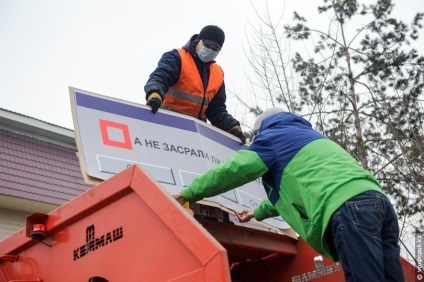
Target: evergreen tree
(361, 85)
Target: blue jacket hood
(284, 118)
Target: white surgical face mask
(206, 54)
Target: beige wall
(14, 211)
(11, 221)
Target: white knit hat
(264, 115)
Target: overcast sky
(111, 47)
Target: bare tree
(270, 81)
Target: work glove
(154, 101)
(236, 131)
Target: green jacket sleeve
(244, 167)
(265, 210)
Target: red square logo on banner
(120, 131)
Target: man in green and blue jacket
(319, 189)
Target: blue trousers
(365, 234)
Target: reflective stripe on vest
(188, 95)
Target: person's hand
(154, 101)
(245, 215)
(178, 197)
(236, 131)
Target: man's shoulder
(172, 55)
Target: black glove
(154, 101)
(236, 131)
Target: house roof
(38, 161)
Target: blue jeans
(365, 234)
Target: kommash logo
(92, 243)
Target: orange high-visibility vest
(188, 95)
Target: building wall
(39, 169)
(11, 221)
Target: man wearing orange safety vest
(189, 81)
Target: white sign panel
(114, 134)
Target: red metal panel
(307, 265)
(409, 271)
(125, 229)
(247, 243)
(129, 229)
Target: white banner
(112, 134)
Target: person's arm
(261, 212)
(217, 112)
(219, 117)
(245, 166)
(165, 75)
(265, 210)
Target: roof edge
(38, 129)
(14, 203)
